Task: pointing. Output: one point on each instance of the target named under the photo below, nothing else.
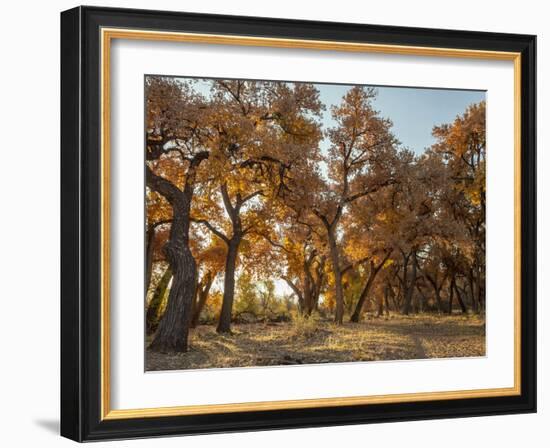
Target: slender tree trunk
(422, 304)
(475, 303)
(380, 306)
(224, 324)
(153, 310)
(438, 298)
(451, 294)
(409, 286)
(459, 298)
(374, 269)
(202, 296)
(150, 236)
(479, 288)
(393, 297)
(308, 293)
(298, 293)
(339, 293)
(320, 277)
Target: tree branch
(161, 185)
(293, 287)
(210, 227)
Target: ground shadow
(50, 425)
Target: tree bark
(459, 298)
(475, 304)
(153, 310)
(150, 238)
(451, 294)
(202, 295)
(224, 324)
(339, 293)
(409, 286)
(149, 256)
(173, 330)
(374, 269)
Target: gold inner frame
(107, 35)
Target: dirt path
(261, 344)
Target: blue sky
(413, 111)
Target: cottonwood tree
(175, 148)
(462, 145)
(369, 243)
(361, 154)
(263, 130)
(303, 250)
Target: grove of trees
(246, 190)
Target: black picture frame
(81, 224)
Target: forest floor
(311, 342)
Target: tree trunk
(173, 330)
(380, 306)
(479, 289)
(153, 310)
(149, 256)
(318, 284)
(374, 269)
(308, 293)
(409, 286)
(422, 303)
(339, 293)
(224, 324)
(459, 298)
(475, 303)
(438, 299)
(451, 295)
(202, 296)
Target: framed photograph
(272, 223)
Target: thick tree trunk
(173, 330)
(224, 324)
(153, 310)
(339, 293)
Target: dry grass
(375, 339)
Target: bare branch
(210, 227)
